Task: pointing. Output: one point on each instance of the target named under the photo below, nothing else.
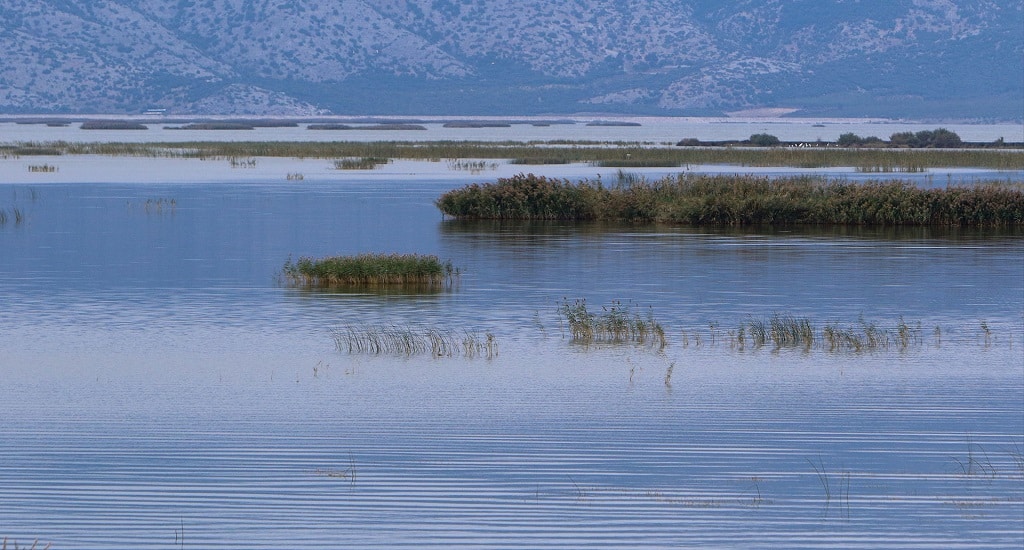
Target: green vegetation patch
(616, 323)
(737, 200)
(414, 270)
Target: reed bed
(738, 200)
(33, 150)
(619, 323)
(472, 166)
(112, 125)
(405, 270)
(362, 163)
(788, 332)
(561, 152)
(409, 341)
(616, 323)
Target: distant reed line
(613, 154)
(738, 200)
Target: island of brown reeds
(407, 270)
(739, 200)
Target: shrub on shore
(738, 200)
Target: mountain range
(924, 59)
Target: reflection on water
(162, 389)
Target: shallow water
(161, 389)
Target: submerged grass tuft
(408, 341)
(616, 323)
(362, 163)
(788, 332)
(410, 270)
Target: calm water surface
(161, 389)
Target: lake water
(161, 389)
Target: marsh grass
(472, 166)
(560, 152)
(738, 200)
(616, 323)
(242, 162)
(112, 125)
(371, 270)
(362, 163)
(36, 150)
(409, 341)
(788, 332)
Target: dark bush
(764, 140)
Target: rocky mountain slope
(909, 58)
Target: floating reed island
(739, 200)
(405, 270)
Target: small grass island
(405, 270)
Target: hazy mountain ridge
(835, 57)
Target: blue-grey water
(162, 389)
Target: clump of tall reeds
(472, 166)
(789, 332)
(409, 270)
(37, 150)
(696, 199)
(616, 323)
(779, 331)
(242, 163)
(408, 341)
(362, 163)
